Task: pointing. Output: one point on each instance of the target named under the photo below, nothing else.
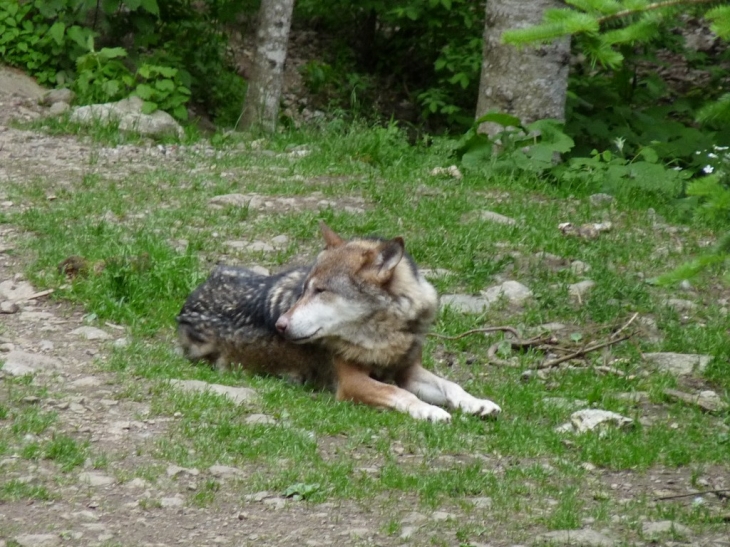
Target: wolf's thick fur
(355, 320)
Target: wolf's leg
(355, 384)
(439, 391)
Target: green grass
(135, 224)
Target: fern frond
(642, 31)
(540, 34)
(603, 7)
(717, 111)
(720, 17)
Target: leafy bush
(177, 51)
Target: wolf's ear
(330, 238)
(388, 257)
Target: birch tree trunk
(261, 107)
(529, 83)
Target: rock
(8, 307)
(16, 290)
(634, 396)
(586, 420)
(96, 479)
(20, 363)
(579, 268)
(65, 96)
(58, 108)
(174, 501)
(442, 515)
(224, 471)
(120, 343)
(260, 246)
(580, 289)
(174, 471)
(678, 364)
(276, 503)
(232, 200)
(260, 419)
(407, 532)
(451, 171)
(239, 395)
(552, 261)
(709, 401)
(515, 293)
(137, 483)
(260, 270)
(37, 540)
(481, 503)
(464, 303)
(600, 200)
(280, 241)
(491, 216)
(86, 381)
(46, 345)
(649, 529)
(563, 403)
(680, 305)
(578, 538)
(91, 333)
(128, 113)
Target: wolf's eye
(319, 290)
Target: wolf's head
(359, 290)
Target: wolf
(354, 321)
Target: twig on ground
(40, 294)
(626, 325)
(476, 331)
(721, 491)
(581, 353)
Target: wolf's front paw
(424, 411)
(479, 407)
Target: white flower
(720, 148)
(708, 169)
(619, 142)
(711, 155)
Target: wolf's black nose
(282, 323)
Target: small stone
(490, 216)
(580, 289)
(8, 307)
(578, 538)
(62, 95)
(260, 270)
(260, 246)
(680, 305)
(276, 503)
(37, 540)
(224, 471)
(464, 303)
(633, 397)
(709, 401)
(137, 483)
(86, 381)
(58, 108)
(481, 503)
(280, 241)
(408, 531)
(120, 343)
(172, 502)
(678, 364)
(451, 171)
(579, 268)
(586, 420)
(260, 419)
(442, 515)
(513, 291)
(174, 471)
(45, 345)
(600, 200)
(649, 529)
(96, 479)
(239, 395)
(91, 333)
(685, 285)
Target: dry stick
(580, 353)
(722, 491)
(40, 294)
(626, 325)
(476, 331)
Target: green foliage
(177, 51)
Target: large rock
(38, 540)
(20, 363)
(239, 395)
(678, 364)
(652, 529)
(128, 113)
(464, 303)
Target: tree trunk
(261, 107)
(529, 83)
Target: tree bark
(529, 83)
(261, 107)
